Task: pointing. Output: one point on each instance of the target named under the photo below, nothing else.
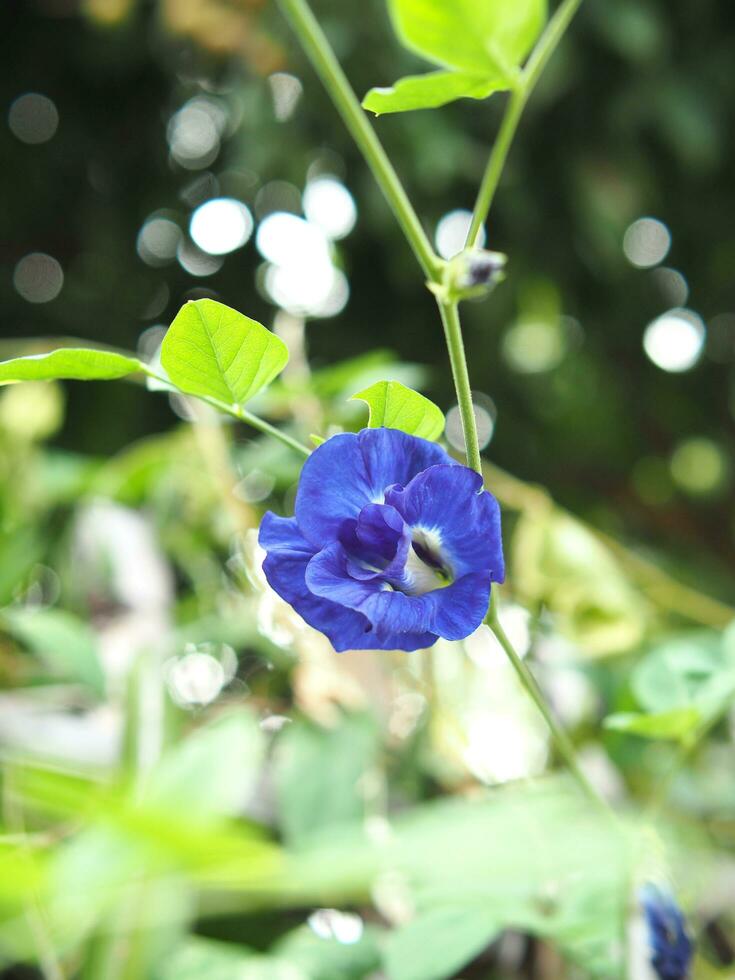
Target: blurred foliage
(193, 784)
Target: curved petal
(461, 607)
(444, 501)
(453, 612)
(377, 543)
(351, 470)
(397, 625)
(288, 554)
(392, 456)
(333, 486)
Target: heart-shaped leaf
(475, 36)
(395, 406)
(213, 351)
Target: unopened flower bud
(474, 272)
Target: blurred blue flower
(393, 543)
(671, 948)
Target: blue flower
(393, 543)
(671, 948)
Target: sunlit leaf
(677, 724)
(482, 38)
(66, 644)
(432, 90)
(394, 406)
(438, 943)
(73, 363)
(214, 351)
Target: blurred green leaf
(212, 770)
(78, 364)
(317, 774)
(694, 670)
(328, 959)
(432, 90)
(559, 563)
(66, 644)
(393, 405)
(480, 38)
(198, 958)
(214, 351)
(677, 724)
(439, 942)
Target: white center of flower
(426, 569)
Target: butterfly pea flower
(393, 543)
(669, 947)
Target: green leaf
(214, 351)
(677, 724)
(316, 773)
(213, 769)
(482, 37)
(439, 942)
(73, 363)
(694, 670)
(321, 958)
(393, 405)
(66, 644)
(432, 90)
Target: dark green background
(634, 117)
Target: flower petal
(349, 471)
(288, 554)
(392, 456)
(444, 500)
(453, 612)
(398, 626)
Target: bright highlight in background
(220, 226)
(647, 242)
(451, 233)
(674, 341)
(287, 240)
(33, 118)
(329, 205)
(38, 278)
(301, 278)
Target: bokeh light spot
(221, 226)
(674, 341)
(33, 118)
(38, 278)
(194, 132)
(451, 233)
(485, 415)
(699, 466)
(672, 284)
(158, 241)
(646, 242)
(286, 91)
(329, 205)
(534, 346)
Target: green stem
(458, 360)
(495, 164)
(335, 81)
(262, 426)
(239, 413)
(530, 75)
(561, 739)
